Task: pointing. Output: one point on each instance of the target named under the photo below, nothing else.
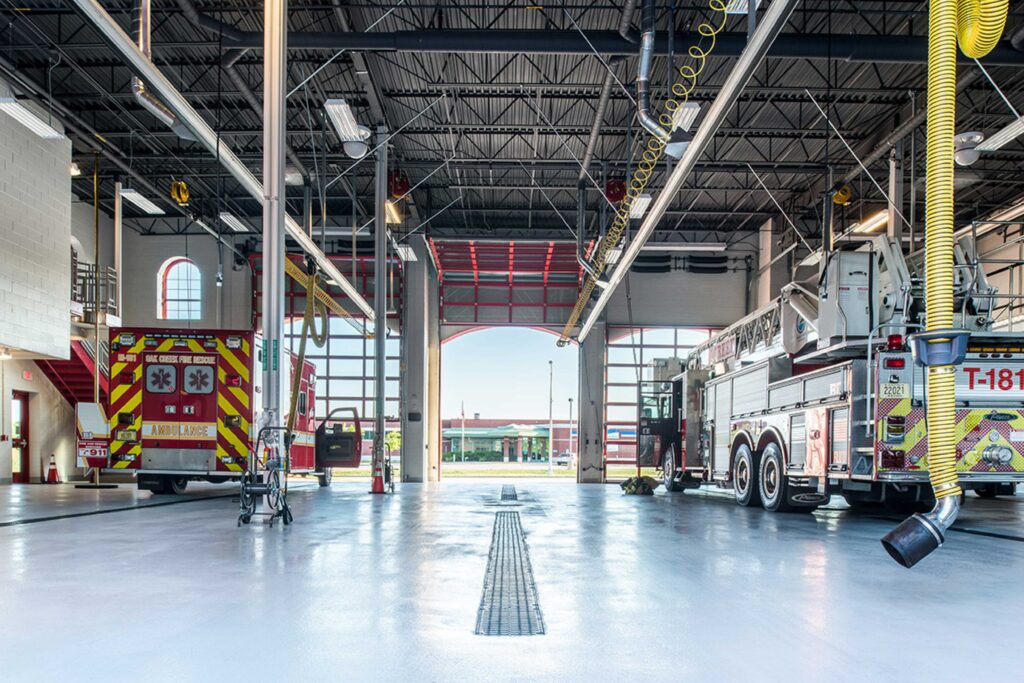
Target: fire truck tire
(175, 485)
(987, 491)
(745, 484)
(773, 485)
(325, 478)
(668, 468)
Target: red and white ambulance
(184, 405)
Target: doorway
(19, 438)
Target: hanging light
(23, 115)
(143, 203)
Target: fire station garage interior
(778, 244)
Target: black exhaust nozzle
(913, 540)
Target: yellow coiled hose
(977, 25)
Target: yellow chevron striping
(233, 360)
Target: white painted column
(416, 414)
(591, 424)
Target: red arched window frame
(192, 290)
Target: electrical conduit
(977, 25)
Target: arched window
(179, 288)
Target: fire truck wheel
(772, 481)
(668, 468)
(987, 491)
(325, 478)
(175, 485)
(745, 477)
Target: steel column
(274, 55)
(380, 298)
(118, 247)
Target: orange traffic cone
(377, 484)
(52, 476)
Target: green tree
(393, 440)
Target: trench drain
(508, 492)
(509, 605)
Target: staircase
(74, 377)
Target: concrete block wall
(35, 241)
(228, 307)
(51, 422)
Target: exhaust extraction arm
(146, 99)
(978, 25)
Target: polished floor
(681, 587)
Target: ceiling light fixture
(639, 206)
(344, 121)
(1002, 137)
(406, 253)
(613, 256)
(74, 169)
(5, 353)
(741, 6)
(684, 115)
(144, 204)
(233, 222)
(871, 225)
(392, 214)
(20, 113)
(686, 246)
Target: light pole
(463, 447)
(570, 431)
(551, 412)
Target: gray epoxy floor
(679, 587)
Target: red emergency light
(895, 363)
(894, 342)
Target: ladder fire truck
(817, 393)
(185, 405)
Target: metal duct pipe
(143, 28)
(774, 18)
(643, 74)
(138, 62)
(227, 63)
(902, 131)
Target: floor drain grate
(508, 492)
(509, 605)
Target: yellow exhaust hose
(977, 25)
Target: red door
(19, 438)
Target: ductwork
(643, 74)
(148, 101)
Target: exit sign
(26, 375)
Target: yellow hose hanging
(977, 25)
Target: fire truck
(818, 394)
(185, 404)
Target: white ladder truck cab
(818, 392)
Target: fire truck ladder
(762, 328)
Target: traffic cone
(377, 485)
(52, 476)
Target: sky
(503, 372)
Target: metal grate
(508, 492)
(509, 605)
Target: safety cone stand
(52, 476)
(377, 483)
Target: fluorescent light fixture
(344, 121)
(23, 115)
(391, 213)
(1002, 137)
(872, 224)
(613, 256)
(141, 202)
(405, 253)
(233, 222)
(684, 115)
(685, 246)
(639, 206)
(740, 6)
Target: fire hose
(977, 26)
